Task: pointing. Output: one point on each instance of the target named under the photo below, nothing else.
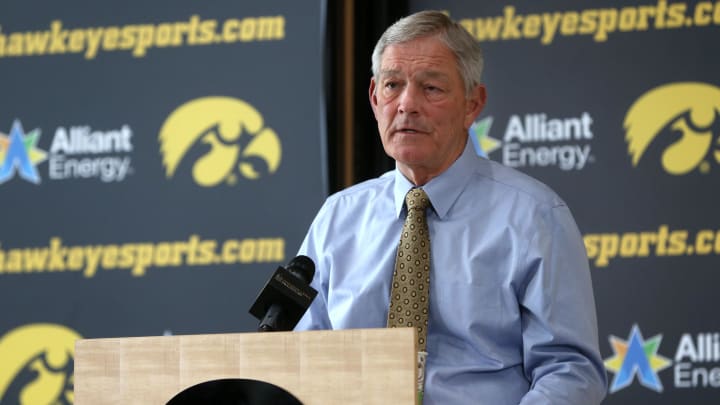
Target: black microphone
(286, 296)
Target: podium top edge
(390, 333)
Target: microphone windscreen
(302, 267)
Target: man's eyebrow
(432, 74)
(427, 74)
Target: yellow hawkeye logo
(691, 111)
(225, 135)
(36, 365)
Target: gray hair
(453, 35)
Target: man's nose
(409, 100)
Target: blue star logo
(18, 153)
(636, 356)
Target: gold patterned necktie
(409, 293)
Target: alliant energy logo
(539, 141)
(81, 152)
(37, 365)
(636, 357)
(76, 152)
(696, 363)
(479, 135)
(682, 121)
(221, 138)
(19, 154)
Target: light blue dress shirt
(512, 314)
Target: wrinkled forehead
(420, 74)
(430, 49)
(425, 58)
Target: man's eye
(390, 85)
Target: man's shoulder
(510, 180)
(367, 190)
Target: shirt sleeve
(316, 317)
(559, 326)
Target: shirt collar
(444, 189)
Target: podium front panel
(360, 366)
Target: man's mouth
(409, 130)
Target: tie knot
(416, 199)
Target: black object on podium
(234, 391)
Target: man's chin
(411, 158)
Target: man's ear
(372, 95)
(475, 104)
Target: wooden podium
(360, 366)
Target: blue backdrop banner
(157, 163)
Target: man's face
(420, 105)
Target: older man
(502, 301)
